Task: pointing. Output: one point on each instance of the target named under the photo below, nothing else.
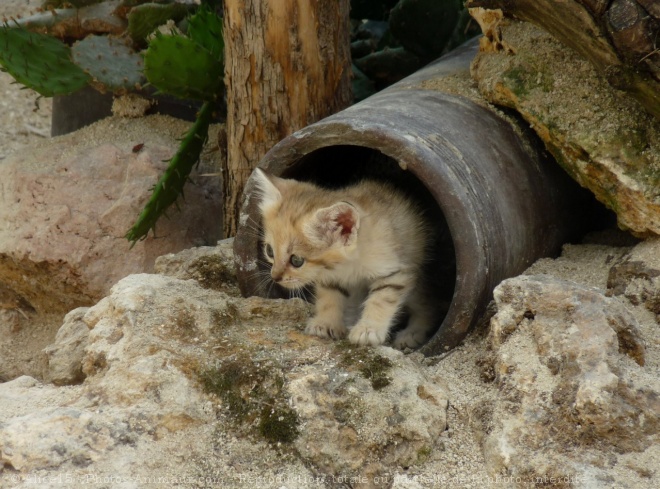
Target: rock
(168, 362)
(367, 429)
(637, 276)
(211, 266)
(65, 355)
(569, 363)
(67, 204)
(605, 140)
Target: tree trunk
(619, 37)
(287, 65)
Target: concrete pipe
(493, 192)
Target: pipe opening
(343, 165)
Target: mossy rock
(602, 137)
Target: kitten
(364, 245)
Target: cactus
(146, 18)
(178, 66)
(205, 28)
(187, 68)
(113, 65)
(40, 62)
(170, 185)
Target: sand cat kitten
(364, 245)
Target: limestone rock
(602, 138)
(569, 362)
(637, 276)
(66, 205)
(65, 355)
(211, 266)
(166, 359)
(366, 431)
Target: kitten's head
(307, 232)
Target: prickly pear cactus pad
(113, 65)
(205, 28)
(181, 67)
(146, 18)
(39, 62)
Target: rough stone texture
(166, 357)
(601, 137)
(211, 266)
(366, 433)
(637, 277)
(201, 388)
(569, 363)
(65, 355)
(65, 206)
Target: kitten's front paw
(324, 329)
(366, 334)
(409, 339)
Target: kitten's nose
(277, 276)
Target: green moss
(369, 364)
(522, 80)
(423, 454)
(212, 273)
(279, 425)
(230, 382)
(221, 318)
(254, 397)
(517, 78)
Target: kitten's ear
(338, 223)
(270, 188)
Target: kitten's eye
(269, 251)
(297, 261)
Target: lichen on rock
(569, 363)
(601, 137)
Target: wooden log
(287, 66)
(617, 37)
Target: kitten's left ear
(338, 223)
(270, 188)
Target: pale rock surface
(65, 206)
(636, 276)
(65, 355)
(570, 366)
(167, 361)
